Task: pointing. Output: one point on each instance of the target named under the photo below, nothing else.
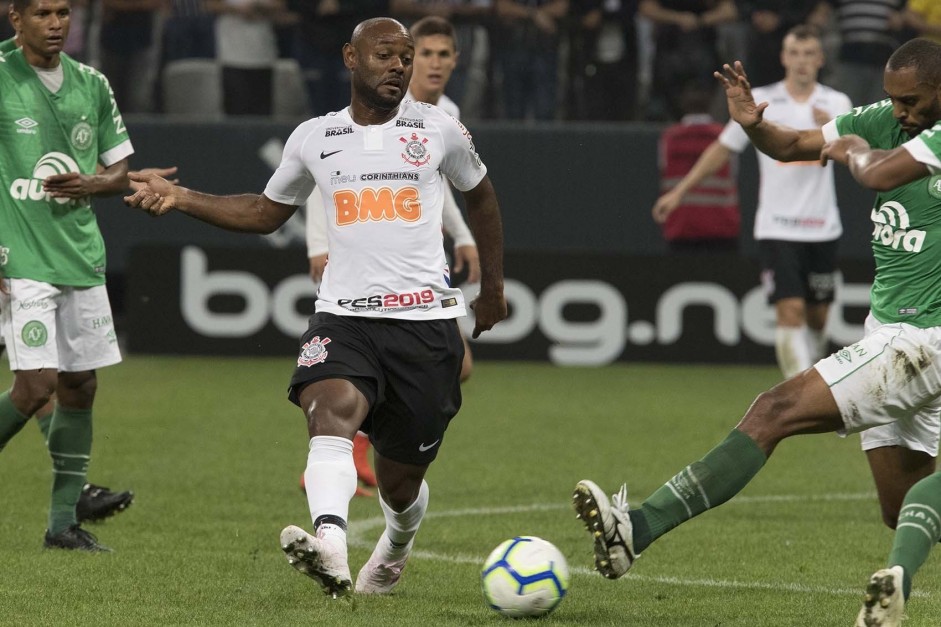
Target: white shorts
(69, 329)
(888, 385)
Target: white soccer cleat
(321, 559)
(883, 604)
(609, 525)
(383, 569)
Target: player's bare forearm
(111, 180)
(246, 213)
(784, 143)
(487, 227)
(883, 170)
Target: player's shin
(70, 439)
(331, 483)
(11, 420)
(919, 528)
(702, 485)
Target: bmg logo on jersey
(370, 204)
(49, 164)
(891, 228)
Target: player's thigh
(86, 337)
(28, 322)
(780, 269)
(819, 263)
(888, 377)
(422, 365)
(336, 348)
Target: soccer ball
(525, 576)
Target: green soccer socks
(702, 485)
(70, 436)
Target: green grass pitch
(214, 451)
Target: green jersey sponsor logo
(49, 164)
(892, 228)
(34, 333)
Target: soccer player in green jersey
(96, 502)
(58, 122)
(887, 385)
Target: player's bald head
(375, 29)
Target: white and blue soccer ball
(525, 576)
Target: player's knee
(766, 420)
(31, 392)
(77, 389)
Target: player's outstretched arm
(775, 140)
(487, 226)
(106, 181)
(713, 157)
(248, 213)
(880, 170)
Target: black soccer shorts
(804, 270)
(408, 370)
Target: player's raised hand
(489, 308)
(742, 107)
(156, 195)
(162, 172)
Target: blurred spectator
(706, 217)
(924, 18)
(247, 48)
(322, 29)
(188, 31)
(468, 83)
(128, 54)
(685, 40)
(6, 29)
(604, 59)
(869, 32)
(768, 21)
(526, 49)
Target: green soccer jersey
(7, 45)
(54, 240)
(906, 235)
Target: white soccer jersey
(797, 200)
(383, 197)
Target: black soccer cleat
(76, 539)
(98, 502)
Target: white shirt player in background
(377, 164)
(797, 222)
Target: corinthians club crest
(415, 152)
(313, 352)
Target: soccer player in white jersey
(887, 385)
(58, 124)
(436, 57)
(382, 352)
(797, 224)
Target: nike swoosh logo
(422, 447)
(324, 155)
